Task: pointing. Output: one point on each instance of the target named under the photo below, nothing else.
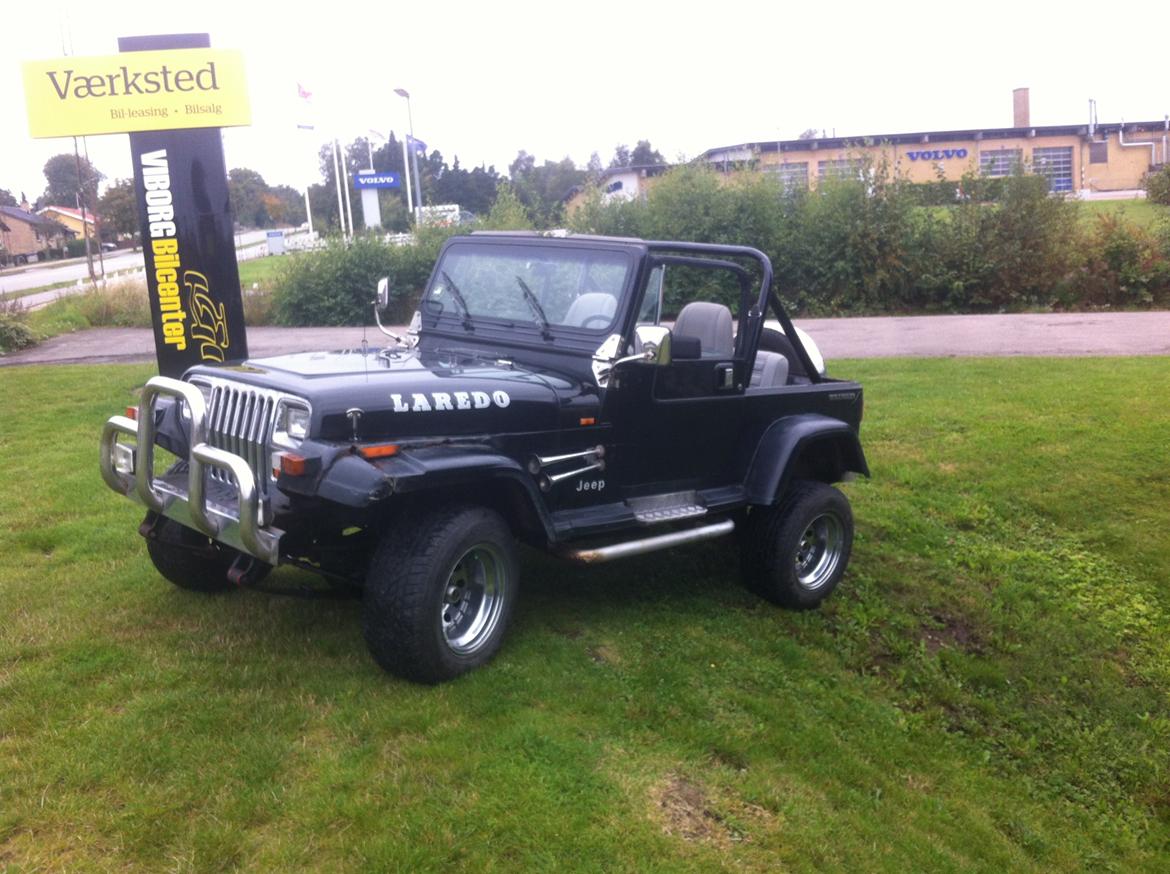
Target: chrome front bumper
(237, 519)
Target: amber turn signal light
(378, 450)
(292, 465)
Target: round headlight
(205, 390)
(292, 423)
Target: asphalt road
(1049, 334)
(53, 272)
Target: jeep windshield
(546, 287)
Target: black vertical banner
(180, 181)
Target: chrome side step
(666, 508)
(600, 554)
(670, 514)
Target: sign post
(180, 179)
(368, 182)
(171, 94)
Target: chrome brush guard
(235, 516)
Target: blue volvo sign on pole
(377, 180)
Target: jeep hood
(409, 394)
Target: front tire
(440, 593)
(192, 560)
(795, 554)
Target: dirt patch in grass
(604, 654)
(952, 632)
(681, 807)
(684, 809)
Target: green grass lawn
(262, 270)
(986, 691)
(1140, 212)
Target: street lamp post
(409, 148)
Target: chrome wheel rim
(819, 552)
(473, 599)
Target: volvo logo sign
(937, 155)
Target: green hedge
(336, 285)
(869, 245)
(876, 245)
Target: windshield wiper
(537, 309)
(457, 296)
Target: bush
(118, 305)
(259, 307)
(1126, 265)
(336, 285)
(1157, 186)
(1020, 253)
(74, 248)
(14, 330)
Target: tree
(645, 154)
(6, 198)
(809, 134)
(61, 173)
(118, 208)
(507, 213)
(474, 190)
(594, 169)
(247, 188)
(542, 189)
(292, 205)
(641, 155)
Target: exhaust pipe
(628, 548)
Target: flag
(306, 120)
(418, 145)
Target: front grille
(240, 420)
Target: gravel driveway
(1058, 334)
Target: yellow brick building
(1079, 160)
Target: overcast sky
(490, 78)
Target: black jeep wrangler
(594, 397)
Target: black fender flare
(783, 444)
(355, 482)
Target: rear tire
(795, 554)
(191, 560)
(440, 593)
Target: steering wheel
(599, 317)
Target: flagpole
(348, 205)
(405, 95)
(406, 173)
(417, 183)
(306, 96)
(337, 179)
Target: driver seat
(711, 323)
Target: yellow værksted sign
(136, 91)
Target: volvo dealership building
(1082, 160)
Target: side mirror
(654, 343)
(380, 303)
